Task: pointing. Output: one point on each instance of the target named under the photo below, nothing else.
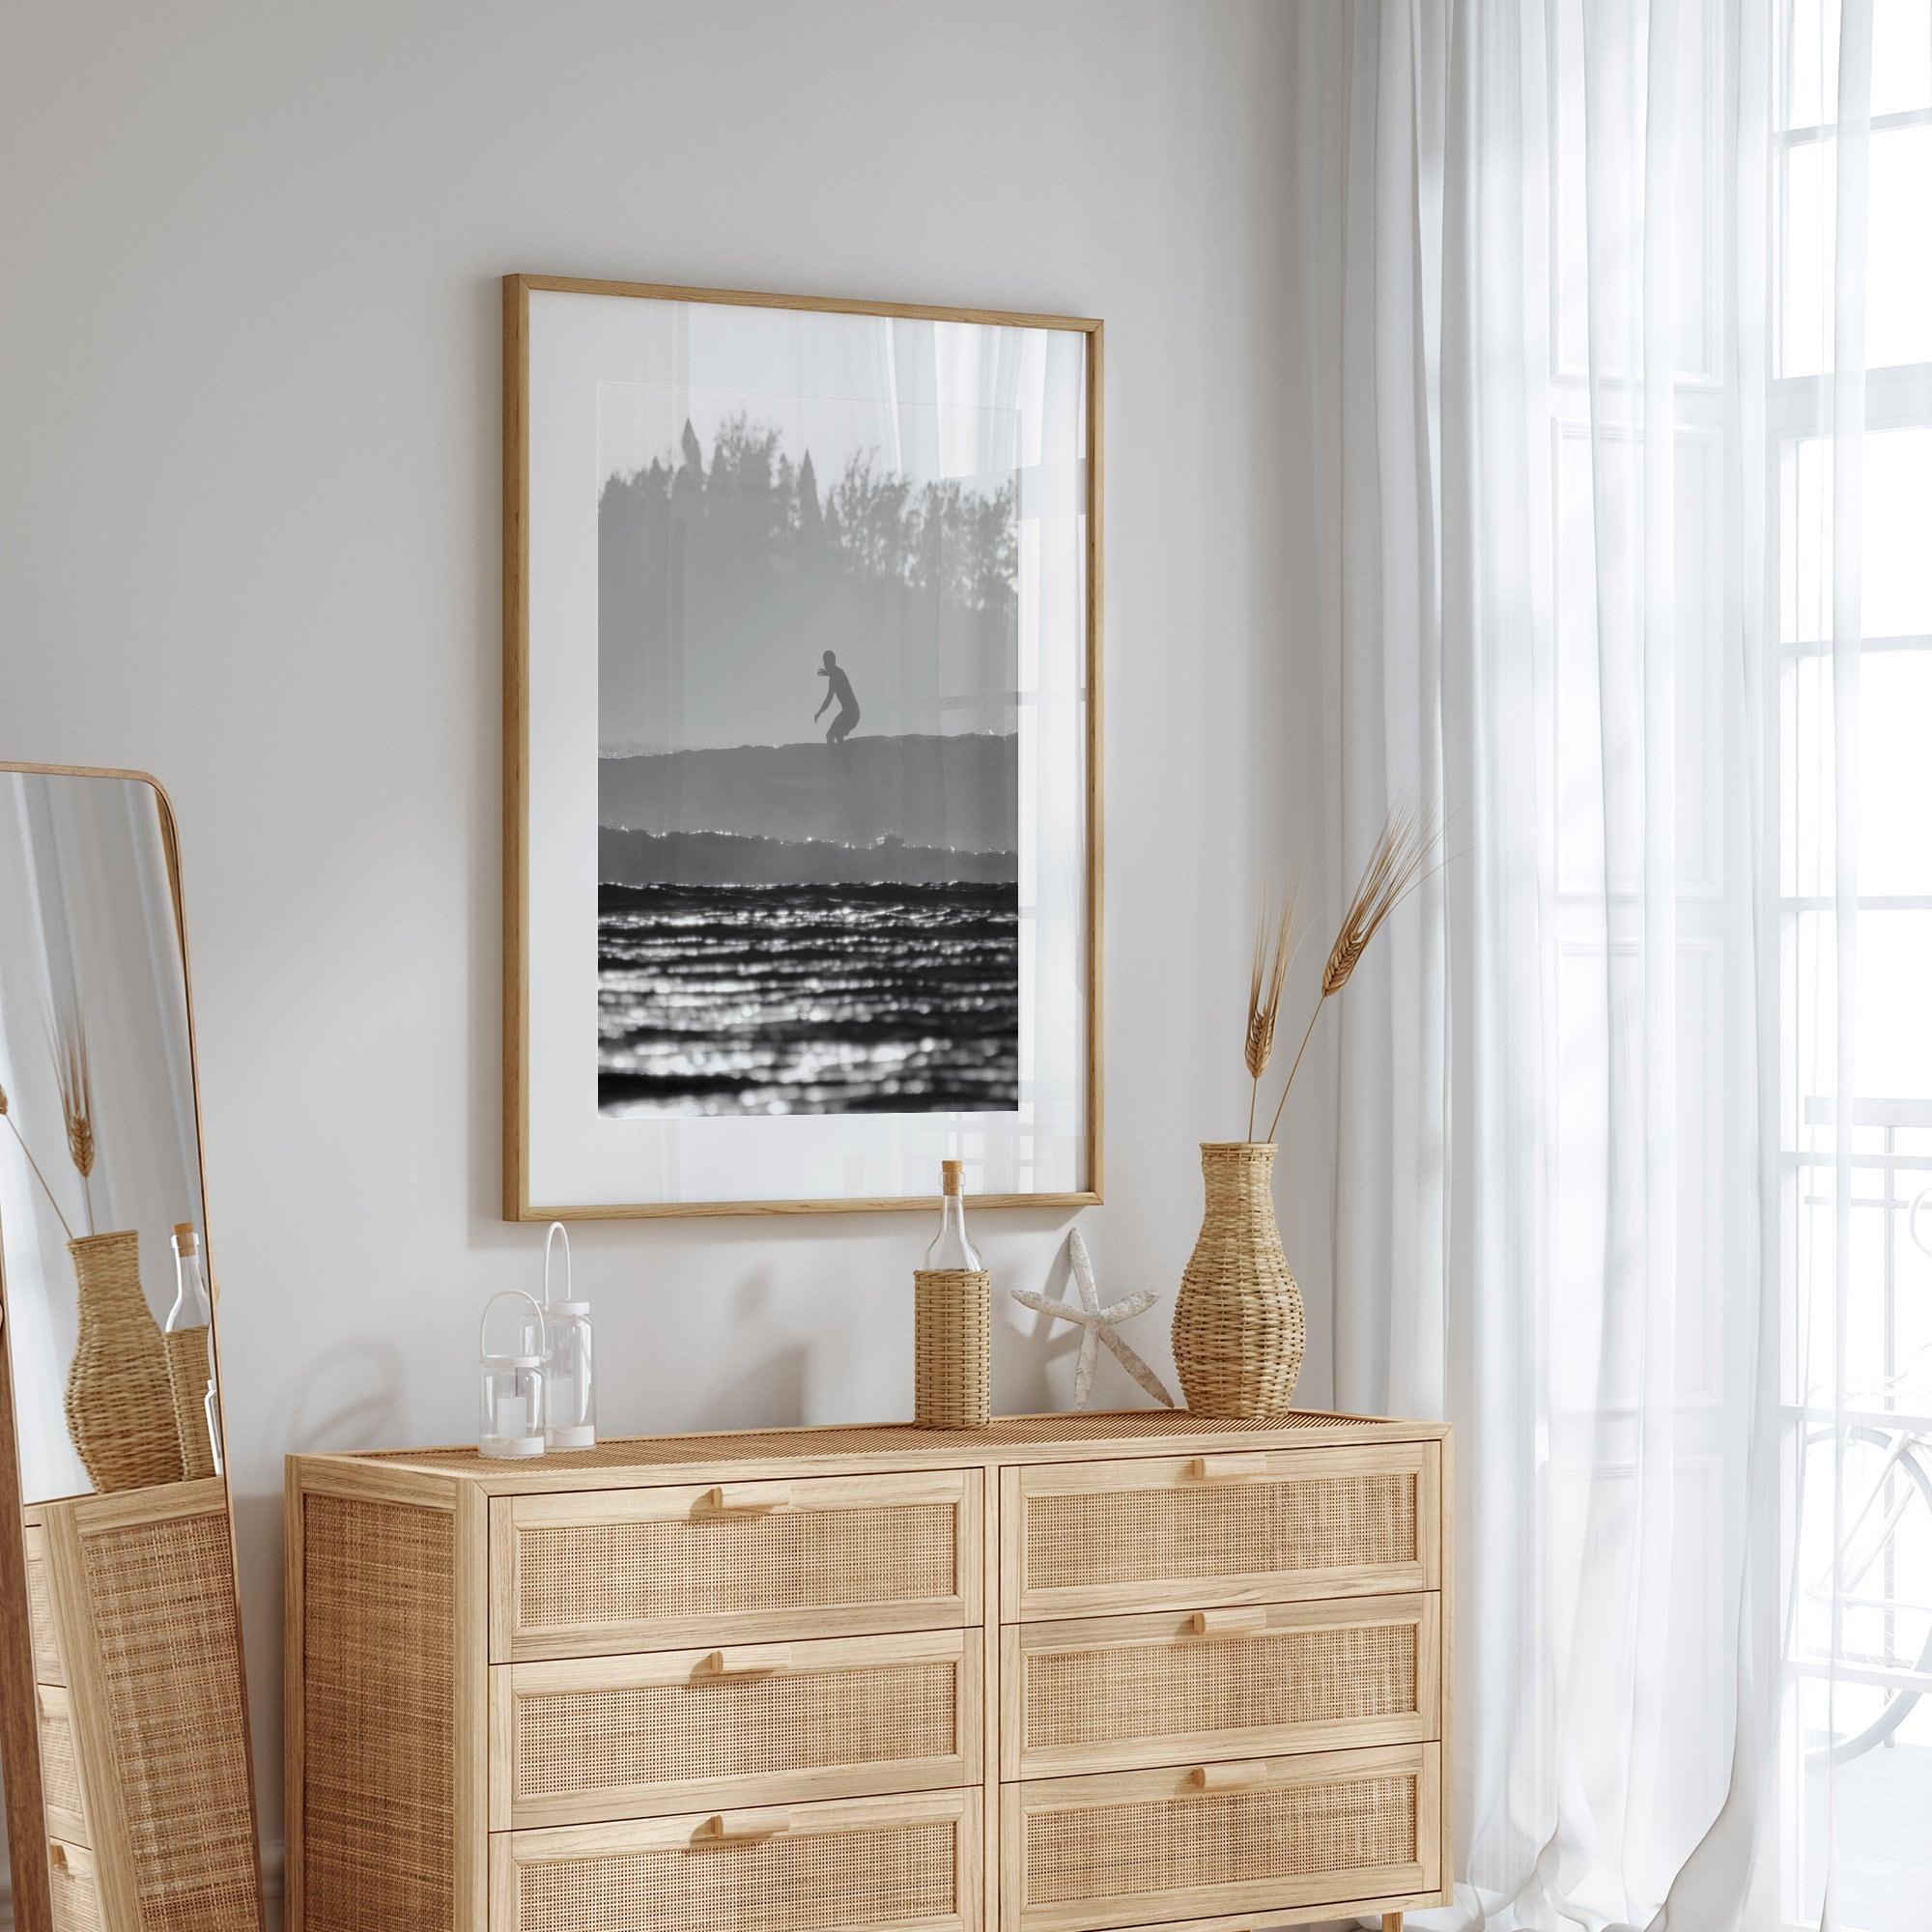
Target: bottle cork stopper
(184, 1240)
(952, 1176)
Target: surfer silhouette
(838, 687)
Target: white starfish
(1096, 1324)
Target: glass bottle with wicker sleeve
(191, 1361)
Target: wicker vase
(1239, 1332)
(120, 1407)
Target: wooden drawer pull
(1227, 1622)
(746, 1499)
(1243, 1775)
(736, 1827)
(764, 1662)
(1228, 1468)
(57, 1855)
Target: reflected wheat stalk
(7, 1114)
(76, 1099)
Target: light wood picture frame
(701, 488)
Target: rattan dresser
(1061, 1674)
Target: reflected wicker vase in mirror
(1238, 1330)
(120, 1403)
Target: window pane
(1898, 591)
(1804, 304)
(1901, 59)
(1898, 283)
(1896, 554)
(1901, 55)
(1898, 265)
(1896, 780)
(1894, 1041)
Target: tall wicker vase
(1239, 1332)
(119, 1405)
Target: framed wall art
(802, 746)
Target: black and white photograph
(807, 781)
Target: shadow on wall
(351, 1396)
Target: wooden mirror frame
(27, 1825)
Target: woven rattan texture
(1123, 1536)
(576, 1575)
(952, 1340)
(1135, 1850)
(378, 1817)
(892, 1875)
(119, 1411)
(166, 1628)
(60, 1765)
(1238, 1329)
(1277, 1678)
(580, 1741)
(187, 1359)
(1135, 1426)
(76, 1900)
(41, 1625)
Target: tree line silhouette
(871, 524)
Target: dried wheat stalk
(1275, 943)
(77, 1098)
(6, 1113)
(1397, 865)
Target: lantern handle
(557, 1227)
(508, 1295)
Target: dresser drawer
(60, 1769)
(1188, 1532)
(600, 1572)
(889, 1864)
(42, 1630)
(1271, 1835)
(1113, 1693)
(76, 1891)
(626, 1737)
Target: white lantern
(511, 1422)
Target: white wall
(248, 539)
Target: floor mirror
(125, 1745)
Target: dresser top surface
(897, 1445)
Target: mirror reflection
(130, 1792)
(108, 1316)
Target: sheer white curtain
(1606, 279)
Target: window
(1855, 1152)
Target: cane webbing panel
(1149, 1535)
(59, 1765)
(1272, 1679)
(1141, 1427)
(378, 1817)
(1181, 1844)
(580, 1741)
(896, 1874)
(40, 1625)
(577, 1574)
(77, 1899)
(167, 1631)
